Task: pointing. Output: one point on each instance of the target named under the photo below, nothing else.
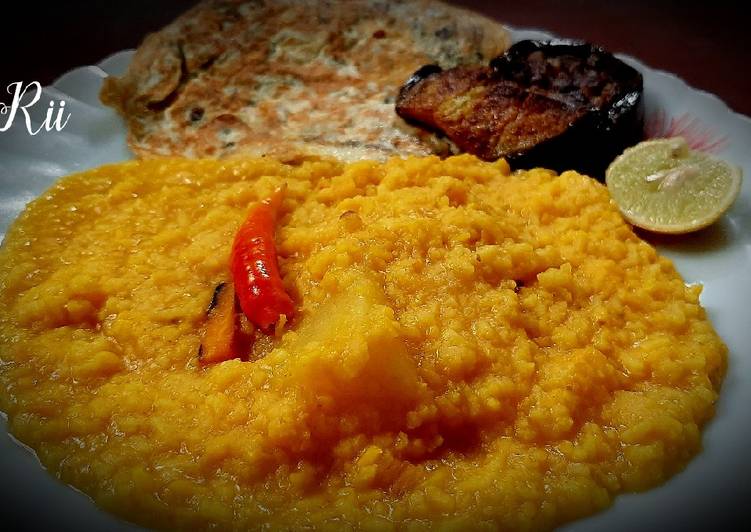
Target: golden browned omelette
(293, 79)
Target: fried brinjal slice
(558, 104)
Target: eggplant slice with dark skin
(555, 104)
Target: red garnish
(255, 271)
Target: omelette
(292, 79)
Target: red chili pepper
(255, 271)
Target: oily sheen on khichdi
(471, 347)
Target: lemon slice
(663, 186)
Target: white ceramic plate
(713, 486)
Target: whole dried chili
(254, 267)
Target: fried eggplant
(557, 104)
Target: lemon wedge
(664, 186)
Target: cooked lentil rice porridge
(471, 347)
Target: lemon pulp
(663, 186)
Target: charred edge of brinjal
(420, 74)
(590, 143)
(601, 131)
(403, 103)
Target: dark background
(706, 43)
